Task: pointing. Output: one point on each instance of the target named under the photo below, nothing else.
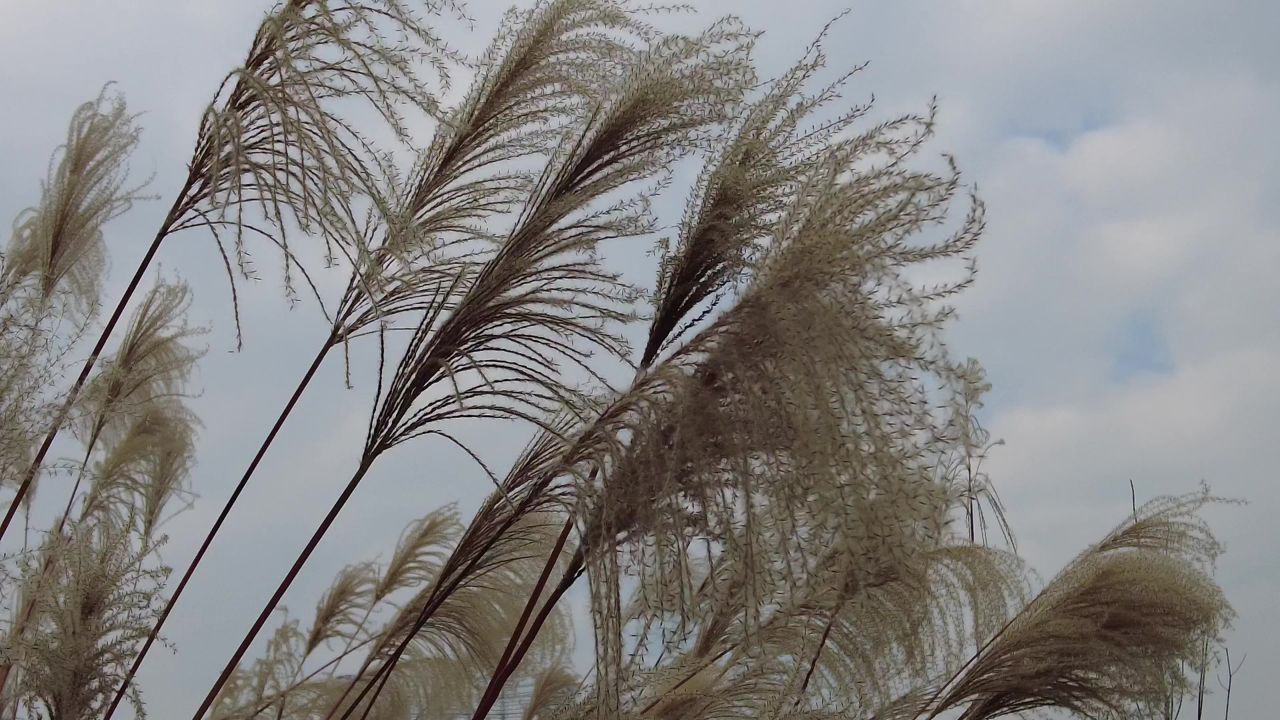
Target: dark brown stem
(231, 665)
(494, 687)
(74, 392)
(217, 525)
(572, 573)
(813, 665)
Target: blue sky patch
(1140, 349)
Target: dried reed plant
(62, 645)
(85, 620)
(1111, 630)
(783, 515)
(51, 274)
(272, 149)
(133, 413)
(538, 70)
(532, 304)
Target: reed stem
(217, 525)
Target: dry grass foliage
(51, 272)
(778, 517)
(57, 245)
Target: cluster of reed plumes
(777, 517)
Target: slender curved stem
(74, 392)
(217, 525)
(495, 686)
(289, 577)
(504, 673)
(166, 227)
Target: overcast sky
(1127, 307)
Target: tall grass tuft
(781, 514)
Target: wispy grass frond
(152, 363)
(1112, 629)
(267, 680)
(95, 603)
(275, 140)
(811, 316)
(552, 688)
(166, 475)
(420, 553)
(134, 407)
(741, 194)
(542, 299)
(797, 420)
(340, 610)
(145, 467)
(543, 66)
(58, 244)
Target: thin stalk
(20, 626)
(494, 687)
(1200, 690)
(217, 524)
(813, 664)
(331, 663)
(432, 603)
(234, 662)
(74, 393)
(570, 576)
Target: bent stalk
(217, 525)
